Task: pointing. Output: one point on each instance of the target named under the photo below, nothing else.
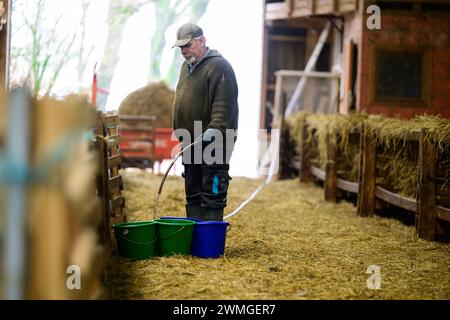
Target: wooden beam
(313, 74)
(331, 171)
(443, 213)
(426, 219)
(278, 108)
(114, 161)
(335, 6)
(117, 202)
(4, 46)
(102, 184)
(305, 153)
(348, 186)
(286, 38)
(113, 141)
(318, 173)
(137, 118)
(283, 161)
(347, 76)
(311, 6)
(110, 120)
(114, 150)
(264, 77)
(276, 10)
(136, 128)
(366, 196)
(395, 199)
(115, 182)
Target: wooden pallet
(110, 181)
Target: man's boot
(194, 211)
(213, 214)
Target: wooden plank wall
(303, 8)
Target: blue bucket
(208, 240)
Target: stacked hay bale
(154, 99)
(397, 153)
(335, 129)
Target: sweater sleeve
(224, 103)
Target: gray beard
(191, 60)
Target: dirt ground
(285, 244)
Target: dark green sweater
(208, 94)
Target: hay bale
(153, 99)
(397, 164)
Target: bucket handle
(229, 228)
(172, 234)
(141, 243)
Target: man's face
(193, 51)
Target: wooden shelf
(286, 38)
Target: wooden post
(335, 5)
(278, 101)
(4, 45)
(330, 171)
(426, 199)
(311, 7)
(305, 153)
(366, 195)
(115, 199)
(285, 152)
(289, 7)
(102, 184)
(114, 189)
(347, 77)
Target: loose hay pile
(286, 244)
(154, 99)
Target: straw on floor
(286, 244)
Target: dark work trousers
(206, 188)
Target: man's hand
(209, 134)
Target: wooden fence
(60, 198)
(52, 247)
(431, 207)
(109, 183)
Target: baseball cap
(186, 32)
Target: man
(206, 95)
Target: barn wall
(428, 33)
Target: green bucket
(174, 236)
(136, 240)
